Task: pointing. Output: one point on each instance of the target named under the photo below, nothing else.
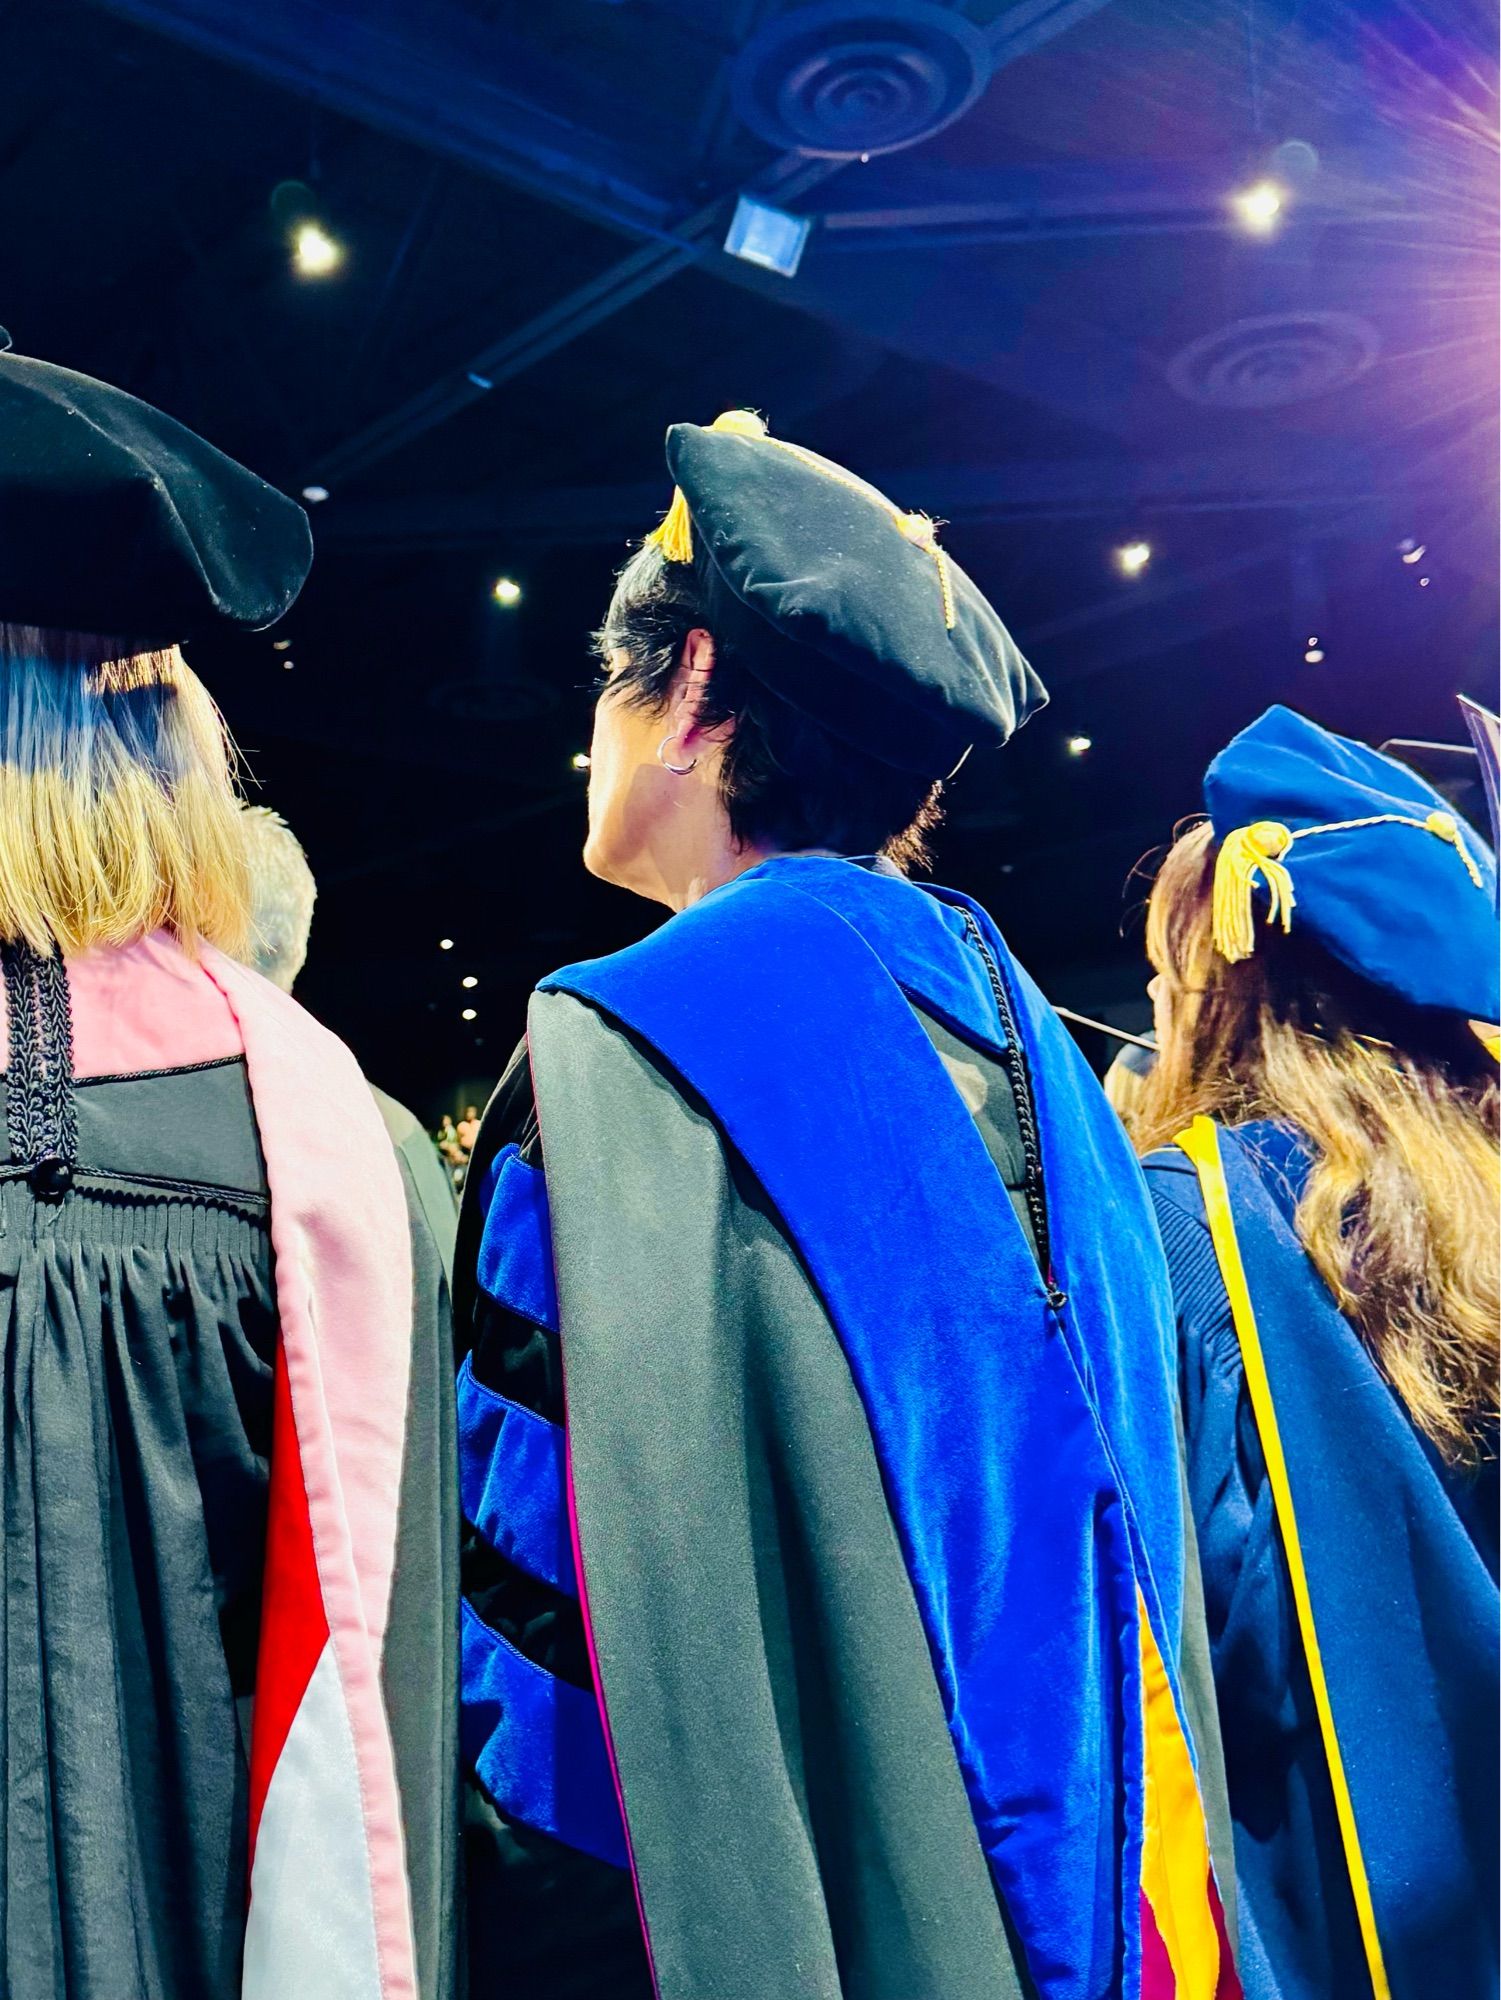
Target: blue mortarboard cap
(1353, 849)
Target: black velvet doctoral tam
(848, 608)
(117, 519)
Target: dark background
(1042, 323)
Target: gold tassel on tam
(674, 535)
(1244, 854)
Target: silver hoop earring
(677, 770)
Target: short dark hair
(785, 782)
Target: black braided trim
(23, 1089)
(41, 1112)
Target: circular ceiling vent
(842, 79)
(1258, 364)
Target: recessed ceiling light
(315, 252)
(1258, 208)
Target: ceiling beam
(468, 92)
(440, 78)
(1254, 479)
(588, 305)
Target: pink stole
(330, 1909)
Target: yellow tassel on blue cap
(674, 534)
(1244, 854)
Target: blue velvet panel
(1406, 1611)
(513, 1482)
(1030, 1459)
(515, 1252)
(537, 1745)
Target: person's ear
(694, 674)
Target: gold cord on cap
(1249, 851)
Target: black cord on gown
(41, 1110)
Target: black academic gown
(138, 1330)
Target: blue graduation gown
(875, 1526)
(1383, 1519)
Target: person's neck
(711, 872)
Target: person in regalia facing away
(1323, 943)
(829, 1623)
(228, 1604)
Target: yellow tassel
(674, 534)
(1244, 854)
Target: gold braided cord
(1443, 824)
(919, 529)
(674, 534)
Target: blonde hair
(1399, 1214)
(283, 891)
(118, 808)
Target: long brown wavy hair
(1400, 1213)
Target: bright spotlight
(1313, 656)
(469, 1014)
(580, 760)
(1078, 745)
(506, 590)
(445, 944)
(1411, 551)
(315, 252)
(1258, 208)
(468, 980)
(315, 495)
(1133, 558)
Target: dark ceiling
(1042, 324)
